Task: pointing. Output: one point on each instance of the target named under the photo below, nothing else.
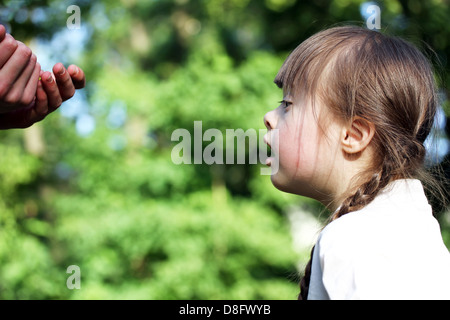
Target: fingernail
(62, 71)
(50, 79)
(76, 70)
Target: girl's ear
(357, 135)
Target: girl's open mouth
(269, 149)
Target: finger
(27, 117)
(18, 96)
(23, 118)
(64, 82)
(14, 67)
(21, 82)
(41, 101)
(8, 46)
(52, 91)
(2, 32)
(30, 87)
(40, 109)
(77, 75)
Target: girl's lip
(266, 140)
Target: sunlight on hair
(437, 144)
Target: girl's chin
(301, 189)
(281, 183)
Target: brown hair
(383, 79)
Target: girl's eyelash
(286, 103)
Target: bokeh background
(94, 185)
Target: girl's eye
(285, 103)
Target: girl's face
(306, 152)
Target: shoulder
(384, 245)
(346, 233)
(398, 214)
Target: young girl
(357, 108)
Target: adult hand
(19, 73)
(52, 90)
(24, 98)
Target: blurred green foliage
(111, 201)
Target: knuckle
(24, 51)
(9, 43)
(33, 59)
(13, 98)
(55, 101)
(3, 90)
(27, 99)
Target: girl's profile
(357, 108)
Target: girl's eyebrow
(287, 98)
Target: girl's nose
(270, 120)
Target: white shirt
(390, 249)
